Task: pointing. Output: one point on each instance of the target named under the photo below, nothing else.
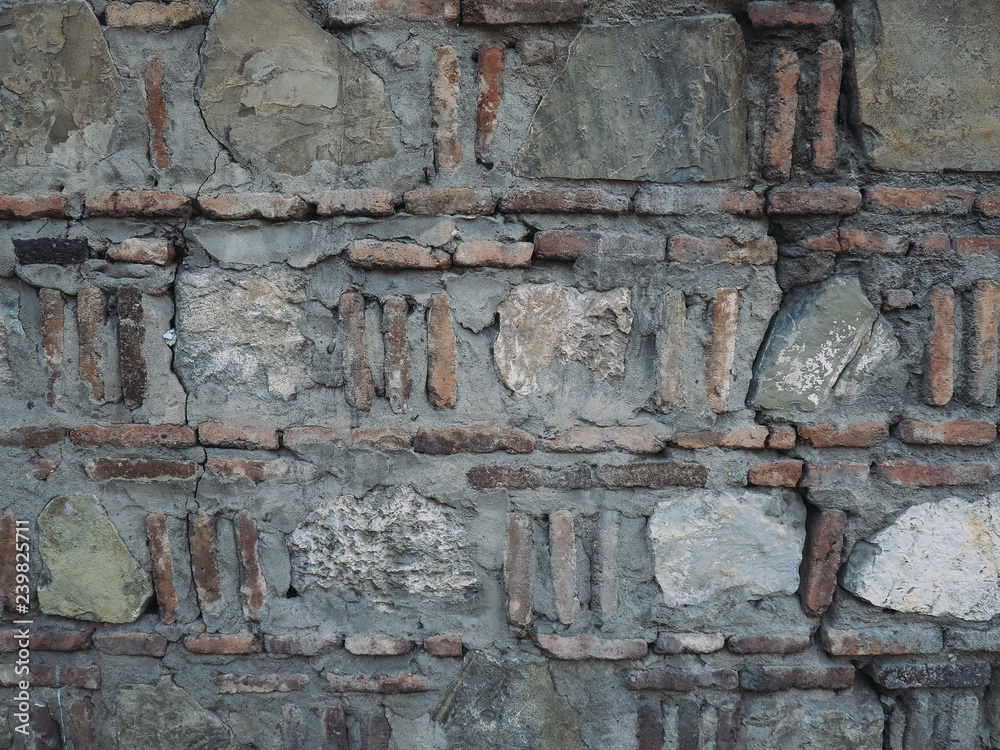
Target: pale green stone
(165, 717)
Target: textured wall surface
(531, 374)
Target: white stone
(939, 558)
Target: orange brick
(270, 206)
(145, 15)
(140, 203)
(363, 202)
(915, 474)
(831, 63)
(769, 15)
(134, 436)
(814, 200)
(855, 240)
(856, 435)
(984, 348)
(940, 375)
(738, 437)
(378, 254)
(492, 254)
(932, 243)
(941, 200)
(786, 473)
(977, 245)
(24, 207)
(492, 59)
(721, 349)
(218, 435)
(781, 111)
(437, 201)
(953, 432)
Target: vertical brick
(517, 557)
(447, 75)
(292, 736)
(689, 725)
(721, 348)
(941, 347)
(606, 562)
(920, 720)
(359, 389)
(81, 724)
(163, 566)
(375, 733)
(984, 349)
(131, 358)
(821, 559)
(397, 363)
(669, 345)
(781, 110)
(156, 111)
(442, 355)
(8, 563)
(53, 324)
(650, 734)
(492, 58)
(334, 729)
(562, 558)
(831, 63)
(91, 315)
(204, 565)
(727, 733)
(44, 728)
(253, 587)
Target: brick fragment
(359, 389)
(857, 241)
(136, 250)
(405, 682)
(51, 250)
(303, 645)
(686, 249)
(727, 733)
(260, 683)
(932, 243)
(377, 645)
(378, 254)
(720, 353)
(452, 440)
(156, 112)
(81, 725)
(31, 437)
(856, 435)
(443, 646)
(46, 640)
(766, 679)
(909, 639)
(606, 562)
(53, 310)
(442, 355)
(269, 206)
(27, 207)
(786, 473)
(242, 468)
(984, 348)
(445, 89)
(131, 644)
(828, 242)
(375, 732)
(581, 439)
(163, 566)
(139, 469)
(977, 245)
(674, 200)
(650, 726)
(921, 674)
(133, 436)
(8, 563)
(831, 64)
(905, 473)
(562, 558)
(362, 202)
(565, 244)
(91, 316)
(536, 51)
(814, 200)
(953, 432)
(988, 203)
(439, 201)
(688, 643)
(44, 727)
(669, 347)
(782, 106)
(85, 678)
(245, 437)
(578, 647)
(654, 475)
(517, 558)
(230, 644)
(492, 254)
(397, 362)
(821, 560)
(347, 13)
(498, 12)
(253, 587)
(736, 437)
(145, 15)
(41, 468)
(682, 680)
(140, 203)
(204, 564)
(835, 474)
(940, 376)
(506, 477)
(941, 200)
(788, 643)
(897, 299)
(587, 200)
(334, 729)
(492, 60)
(131, 358)
(770, 15)
(374, 439)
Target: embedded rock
(165, 717)
(878, 349)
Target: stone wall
(562, 374)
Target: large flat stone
(165, 717)
(928, 92)
(708, 543)
(658, 101)
(939, 558)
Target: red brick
(448, 150)
(682, 680)
(578, 647)
(134, 436)
(564, 244)
(856, 435)
(242, 468)
(897, 299)
(954, 432)
(81, 725)
(91, 316)
(222, 643)
(904, 473)
(909, 639)
(778, 678)
(156, 111)
(386, 440)
(204, 564)
(654, 475)
(814, 200)
(940, 375)
(359, 389)
(498, 12)
(776, 474)
(346, 13)
(44, 727)
(857, 241)
(219, 435)
(8, 562)
(984, 348)
(781, 437)
(688, 643)
(492, 254)
(932, 243)
(821, 560)
(941, 200)
(451, 440)
(260, 683)
(727, 732)
(650, 722)
(31, 437)
(395, 310)
(270, 206)
(140, 203)
(782, 107)
(492, 60)
(46, 640)
(827, 475)
(363, 202)
(405, 682)
(41, 468)
(334, 729)
(145, 15)
(131, 644)
(828, 242)
(770, 15)
(442, 355)
(517, 558)
(988, 203)
(438, 201)
(137, 250)
(720, 355)
(736, 437)
(303, 645)
(685, 249)
(378, 254)
(53, 311)
(674, 200)
(152, 469)
(163, 566)
(536, 51)
(443, 645)
(977, 245)
(131, 336)
(562, 558)
(587, 200)
(26, 207)
(253, 587)
(831, 64)
(789, 643)
(742, 203)
(85, 678)
(670, 349)
(377, 645)
(583, 439)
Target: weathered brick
(814, 200)
(31, 437)
(246, 437)
(359, 389)
(145, 15)
(831, 64)
(765, 679)
(41, 468)
(787, 643)
(51, 250)
(163, 566)
(230, 644)
(674, 200)
(27, 207)
(562, 559)
(855, 435)
(786, 473)
(536, 51)
(828, 242)
(905, 473)
(566, 244)
(781, 437)
(735, 437)
(131, 644)
(727, 733)
(204, 564)
(243, 468)
(770, 15)
(361, 202)
(376, 733)
(253, 587)
(988, 203)
(303, 645)
(897, 299)
(91, 316)
(443, 645)
(442, 355)
(953, 432)
(688, 643)
(686, 249)
(156, 113)
(140, 203)
(44, 728)
(133, 436)
(941, 200)
(781, 109)
(334, 729)
(270, 206)
(492, 254)
(290, 727)
(682, 680)
(374, 439)
(438, 201)
(260, 683)
(821, 560)
(131, 358)
(587, 200)
(649, 735)
(742, 203)
(81, 725)
(497, 12)
(890, 641)
(8, 563)
(670, 347)
(578, 647)
(347, 13)
(605, 573)
(85, 678)
(585, 439)
(506, 477)
(377, 645)
(720, 353)
(397, 362)
(977, 245)
(984, 349)
(378, 254)
(517, 558)
(858, 241)
(835, 474)
(137, 250)
(152, 469)
(492, 60)
(654, 475)
(53, 319)
(920, 674)
(448, 150)
(932, 243)
(46, 640)
(405, 682)
(452, 440)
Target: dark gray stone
(51, 250)
(165, 717)
(919, 673)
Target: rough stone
(707, 543)
(680, 117)
(165, 717)
(93, 574)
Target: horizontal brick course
(977, 245)
(218, 435)
(222, 643)
(682, 680)
(781, 437)
(405, 682)
(765, 679)
(814, 200)
(635, 439)
(770, 15)
(443, 646)
(906, 473)
(491, 254)
(377, 645)
(133, 436)
(495, 12)
(378, 254)
(303, 645)
(346, 13)
(856, 435)
(137, 250)
(941, 200)
(85, 678)
(914, 674)
(270, 206)
(140, 203)
(32, 437)
(835, 474)
(131, 644)
(566, 244)
(435, 201)
(789, 643)
(673, 200)
(785, 473)
(12, 641)
(451, 440)
(906, 639)
(362, 202)
(374, 439)
(859, 241)
(953, 432)
(654, 475)
(260, 683)
(753, 437)
(101, 469)
(588, 201)
(579, 647)
(26, 207)
(686, 249)
(146, 15)
(58, 250)
(689, 643)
